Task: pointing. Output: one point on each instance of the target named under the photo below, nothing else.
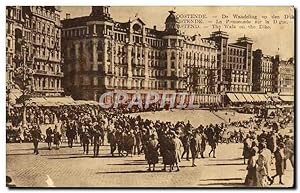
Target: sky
(277, 40)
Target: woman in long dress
(169, 155)
(152, 152)
(263, 165)
(279, 163)
(251, 179)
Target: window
(8, 43)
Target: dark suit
(36, 136)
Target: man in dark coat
(86, 141)
(138, 141)
(49, 137)
(112, 141)
(36, 137)
(97, 141)
(279, 163)
(211, 137)
(186, 144)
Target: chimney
(68, 15)
(154, 27)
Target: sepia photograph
(150, 96)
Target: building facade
(283, 82)
(34, 38)
(262, 72)
(234, 63)
(105, 55)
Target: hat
(255, 150)
(281, 145)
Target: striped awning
(232, 97)
(255, 97)
(240, 97)
(248, 97)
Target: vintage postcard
(140, 96)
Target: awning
(39, 101)
(240, 97)
(248, 97)
(255, 97)
(287, 98)
(55, 101)
(263, 97)
(232, 97)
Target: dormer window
(137, 28)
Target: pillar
(146, 83)
(105, 55)
(94, 66)
(129, 67)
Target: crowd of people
(130, 135)
(262, 150)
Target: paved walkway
(71, 168)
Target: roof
(78, 21)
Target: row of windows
(199, 56)
(266, 70)
(120, 37)
(46, 13)
(74, 32)
(154, 42)
(266, 83)
(239, 78)
(48, 40)
(44, 27)
(55, 68)
(236, 59)
(45, 83)
(14, 12)
(200, 48)
(236, 66)
(239, 88)
(236, 52)
(45, 52)
(136, 83)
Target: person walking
(97, 141)
(289, 151)
(263, 166)
(36, 137)
(57, 138)
(251, 180)
(279, 163)
(177, 145)
(49, 137)
(195, 147)
(86, 141)
(152, 152)
(247, 148)
(111, 137)
(186, 141)
(203, 141)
